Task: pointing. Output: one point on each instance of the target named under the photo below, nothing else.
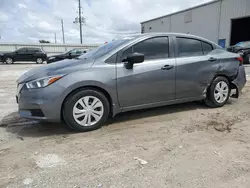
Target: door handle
(167, 67)
(212, 59)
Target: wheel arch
(93, 87)
(6, 56)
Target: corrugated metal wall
(212, 21)
(48, 48)
(232, 9)
(204, 21)
(191, 21)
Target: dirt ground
(186, 146)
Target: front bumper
(41, 104)
(52, 60)
(240, 81)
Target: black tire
(247, 59)
(69, 105)
(210, 99)
(39, 60)
(8, 60)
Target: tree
(44, 41)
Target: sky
(28, 21)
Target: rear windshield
(243, 44)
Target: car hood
(7, 53)
(57, 68)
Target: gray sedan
(133, 73)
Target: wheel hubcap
(39, 60)
(9, 60)
(221, 92)
(88, 111)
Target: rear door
(150, 82)
(31, 54)
(195, 67)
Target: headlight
(50, 58)
(42, 82)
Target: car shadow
(15, 63)
(139, 114)
(13, 123)
(22, 127)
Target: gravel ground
(186, 145)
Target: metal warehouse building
(225, 22)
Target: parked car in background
(67, 55)
(242, 48)
(25, 54)
(133, 73)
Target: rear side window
(34, 50)
(189, 47)
(207, 48)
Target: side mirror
(132, 59)
(69, 55)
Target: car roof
(155, 34)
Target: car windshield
(67, 52)
(104, 49)
(244, 44)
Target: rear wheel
(39, 60)
(86, 110)
(218, 93)
(247, 59)
(9, 60)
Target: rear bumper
(240, 81)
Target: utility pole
(63, 31)
(80, 19)
(55, 38)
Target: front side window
(154, 48)
(22, 50)
(189, 47)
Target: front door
(150, 82)
(21, 54)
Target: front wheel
(247, 59)
(9, 60)
(86, 110)
(218, 93)
(39, 60)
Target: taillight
(240, 59)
